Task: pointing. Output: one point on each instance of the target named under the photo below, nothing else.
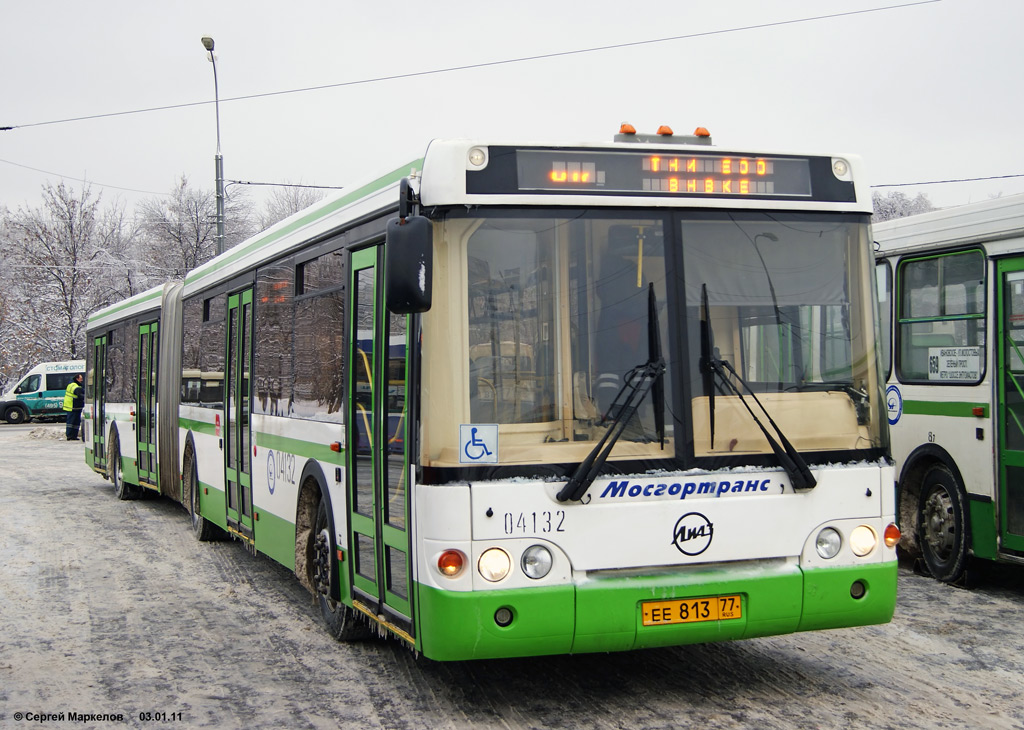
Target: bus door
(237, 459)
(99, 399)
(1011, 403)
(145, 405)
(377, 457)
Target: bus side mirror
(409, 264)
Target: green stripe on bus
(355, 195)
(309, 450)
(198, 426)
(957, 409)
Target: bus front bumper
(606, 614)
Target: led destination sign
(643, 172)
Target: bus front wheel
(342, 622)
(942, 524)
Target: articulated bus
(951, 289)
(523, 399)
(123, 387)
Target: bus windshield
(543, 318)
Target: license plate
(691, 610)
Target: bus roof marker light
(627, 128)
(665, 131)
(841, 169)
(478, 157)
(701, 132)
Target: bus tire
(343, 623)
(16, 415)
(202, 528)
(942, 524)
(122, 490)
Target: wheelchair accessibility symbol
(479, 443)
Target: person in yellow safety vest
(74, 400)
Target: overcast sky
(922, 91)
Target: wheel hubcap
(322, 563)
(938, 523)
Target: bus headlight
(828, 543)
(537, 561)
(862, 540)
(494, 564)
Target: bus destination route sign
(645, 172)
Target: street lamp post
(218, 160)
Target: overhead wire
(484, 64)
(943, 182)
(466, 67)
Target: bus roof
(988, 221)
(317, 221)
(134, 305)
(637, 174)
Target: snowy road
(111, 607)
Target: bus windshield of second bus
(552, 313)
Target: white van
(40, 393)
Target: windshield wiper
(638, 382)
(706, 349)
(711, 365)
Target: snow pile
(47, 432)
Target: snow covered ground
(111, 608)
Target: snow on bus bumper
(603, 614)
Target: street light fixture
(218, 160)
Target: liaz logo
(693, 533)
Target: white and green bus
(130, 383)
(40, 392)
(951, 288)
(519, 399)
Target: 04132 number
(534, 523)
(691, 610)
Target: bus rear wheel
(942, 524)
(16, 415)
(342, 622)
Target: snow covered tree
(181, 230)
(898, 205)
(286, 200)
(52, 273)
